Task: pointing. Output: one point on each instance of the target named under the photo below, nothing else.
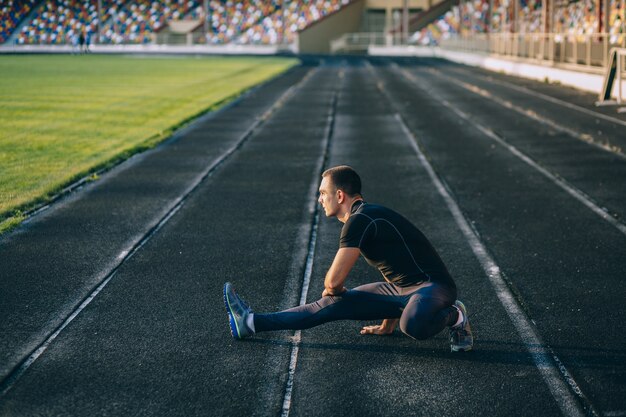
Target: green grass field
(63, 117)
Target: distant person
(74, 39)
(419, 293)
(81, 41)
(87, 42)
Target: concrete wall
(316, 38)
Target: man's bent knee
(417, 329)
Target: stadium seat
(136, 21)
(11, 14)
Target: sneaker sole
(463, 309)
(234, 331)
(460, 304)
(461, 349)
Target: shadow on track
(485, 351)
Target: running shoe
(238, 312)
(461, 338)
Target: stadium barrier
(614, 71)
(196, 49)
(589, 50)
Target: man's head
(340, 186)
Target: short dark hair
(345, 179)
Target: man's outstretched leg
(374, 301)
(422, 314)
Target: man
(81, 41)
(418, 293)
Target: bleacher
(471, 16)
(572, 19)
(11, 14)
(136, 21)
(59, 22)
(269, 22)
(297, 15)
(230, 19)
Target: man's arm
(338, 272)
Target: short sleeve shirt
(391, 243)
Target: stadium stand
(230, 19)
(271, 22)
(296, 16)
(59, 22)
(577, 18)
(470, 16)
(573, 19)
(124, 21)
(11, 14)
(530, 16)
(136, 21)
(617, 24)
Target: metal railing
(591, 50)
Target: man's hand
(327, 292)
(387, 327)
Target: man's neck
(347, 208)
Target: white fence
(555, 48)
(590, 50)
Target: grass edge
(12, 218)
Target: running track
(111, 299)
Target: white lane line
(561, 183)
(14, 376)
(297, 337)
(542, 356)
(551, 99)
(531, 114)
(133, 247)
(313, 208)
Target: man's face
(328, 197)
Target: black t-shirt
(394, 245)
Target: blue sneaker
(238, 312)
(461, 338)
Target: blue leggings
(424, 310)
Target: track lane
(169, 358)
(148, 327)
(562, 386)
(585, 107)
(568, 97)
(577, 121)
(344, 373)
(564, 265)
(55, 259)
(564, 157)
(313, 210)
(155, 341)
